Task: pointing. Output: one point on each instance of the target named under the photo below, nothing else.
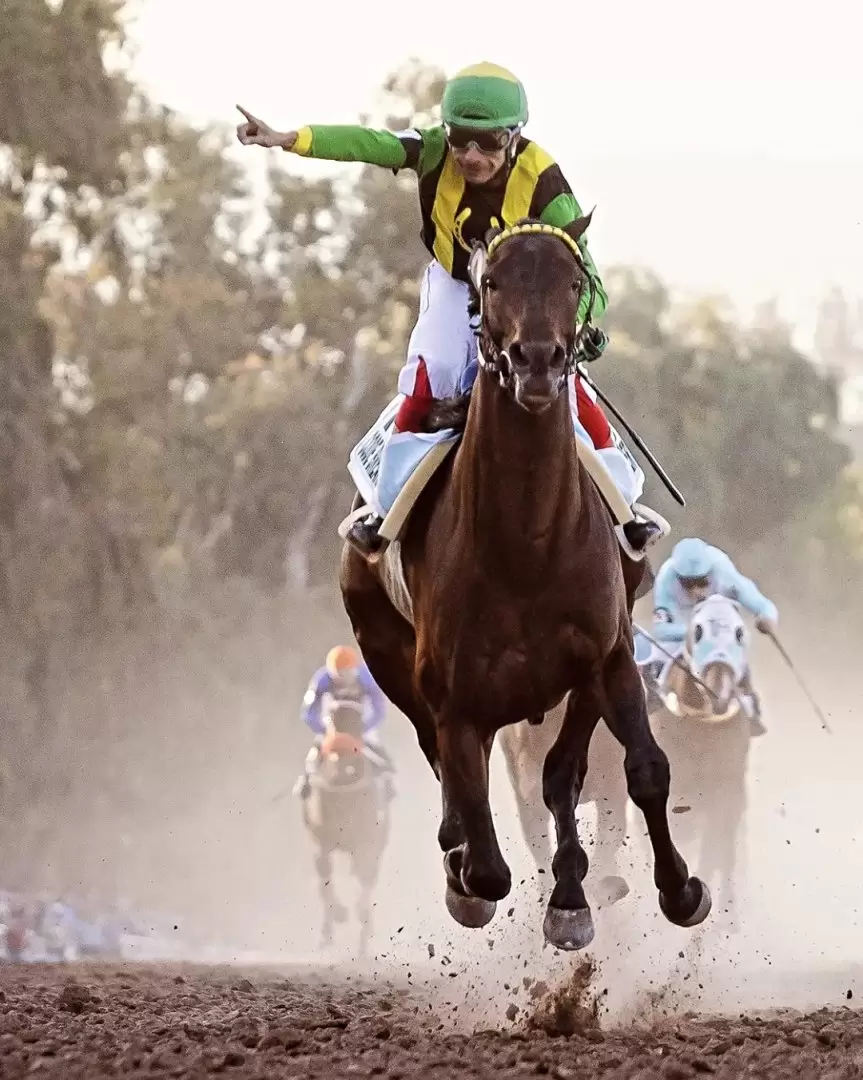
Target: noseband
(490, 356)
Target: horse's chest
(518, 680)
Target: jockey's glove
(593, 343)
(766, 626)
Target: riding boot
(364, 535)
(303, 787)
(641, 534)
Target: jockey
(475, 170)
(344, 676)
(695, 571)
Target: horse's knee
(648, 776)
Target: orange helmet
(342, 659)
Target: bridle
(497, 361)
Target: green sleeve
(562, 211)
(414, 149)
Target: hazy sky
(722, 143)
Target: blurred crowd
(49, 929)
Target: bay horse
(347, 811)
(518, 596)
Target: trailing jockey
(344, 677)
(476, 170)
(694, 571)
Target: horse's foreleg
(388, 644)
(568, 923)
(477, 875)
(684, 900)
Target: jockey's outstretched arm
(669, 622)
(422, 150)
(312, 701)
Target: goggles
(487, 142)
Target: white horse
(708, 680)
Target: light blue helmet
(691, 558)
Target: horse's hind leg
(684, 900)
(388, 645)
(523, 753)
(568, 923)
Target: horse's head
(717, 644)
(528, 283)
(342, 764)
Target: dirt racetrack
(159, 1021)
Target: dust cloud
(230, 867)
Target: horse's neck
(517, 468)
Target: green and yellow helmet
(484, 96)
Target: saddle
(365, 460)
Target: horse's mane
(449, 412)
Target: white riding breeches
(443, 344)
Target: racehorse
(709, 684)
(515, 595)
(347, 810)
(704, 727)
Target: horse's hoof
(470, 911)
(694, 907)
(570, 930)
(612, 889)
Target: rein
(497, 361)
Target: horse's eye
(491, 284)
(576, 286)
(699, 633)
(738, 633)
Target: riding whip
(679, 663)
(636, 438)
(784, 654)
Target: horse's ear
(476, 265)
(578, 228)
